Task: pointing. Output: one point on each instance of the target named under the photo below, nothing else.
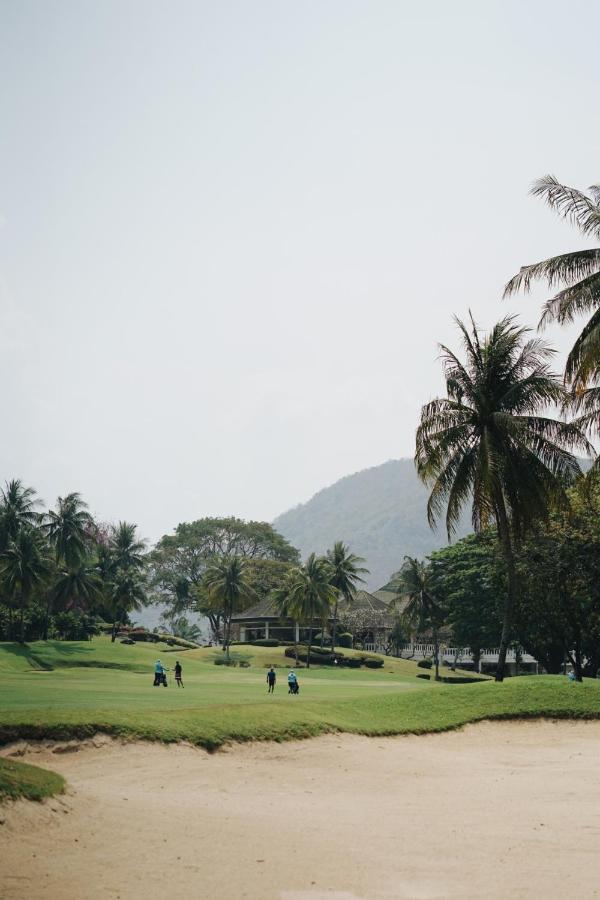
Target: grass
(20, 780)
(73, 690)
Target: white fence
(460, 655)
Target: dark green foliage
(344, 639)
(351, 662)
(425, 663)
(265, 642)
(372, 663)
(426, 677)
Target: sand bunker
(496, 810)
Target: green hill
(380, 512)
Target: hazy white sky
(233, 232)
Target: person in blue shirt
(292, 683)
(271, 679)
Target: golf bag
(294, 687)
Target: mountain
(379, 512)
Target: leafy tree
(23, 566)
(363, 623)
(179, 561)
(422, 611)
(310, 594)
(560, 573)
(484, 443)
(286, 602)
(345, 573)
(128, 594)
(181, 627)
(227, 586)
(466, 577)
(79, 587)
(578, 275)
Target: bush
(425, 663)
(235, 659)
(464, 679)
(265, 642)
(352, 662)
(344, 640)
(172, 641)
(320, 657)
(426, 677)
(373, 663)
(140, 634)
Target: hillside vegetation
(380, 512)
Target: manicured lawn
(66, 690)
(18, 779)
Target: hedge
(265, 642)
(425, 663)
(344, 639)
(373, 663)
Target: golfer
(271, 679)
(178, 671)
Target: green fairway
(61, 690)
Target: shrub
(426, 677)
(317, 655)
(235, 659)
(464, 679)
(352, 662)
(374, 663)
(344, 640)
(265, 642)
(425, 663)
(172, 641)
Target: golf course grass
(20, 780)
(63, 690)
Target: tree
(422, 611)
(310, 595)
(578, 275)
(17, 510)
(121, 568)
(128, 594)
(180, 627)
(68, 529)
(286, 603)
(226, 583)
(467, 579)
(484, 443)
(179, 561)
(23, 566)
(76, 587)
(345, 572)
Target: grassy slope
(18, 779)
(85, 693)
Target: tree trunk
(47, 617)
(310, 634)
(113, 633)
(22, 620)
(509, 603)
(476, 654)
(436, 654)
(334, 625)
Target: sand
(496, 810)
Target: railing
(461, 654)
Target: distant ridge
(380, 512)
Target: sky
(232, 234)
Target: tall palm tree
(285, 603)
(228, 587)
(423, 610)
(345, 573)
(311, 594)
(80, 586)
(577, 274)
(23, 566)
(127, 594)
(127, 551)
(67, 528)
(17, 509)
(489, 443)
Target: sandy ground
(497, 810)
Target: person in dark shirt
(271, 679)
(178, 671)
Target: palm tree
(17, 509)
(423, 609)
(578, 276)
(81, 586)
(126, 550)
(311, 594)
(23, 566)
(345, 572)
(485, 444)
(68, 530)
(127, 594)
(285, 603)
(228, 587)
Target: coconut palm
(423, 610)
(17, 509)
(577, 274)
(228, 588)
(489, 444)
(284, 602)
(128, 594)
(23, 566)
(78, 587)
(345, 572)
(68, 528)
(311, 594)
(125, 548)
